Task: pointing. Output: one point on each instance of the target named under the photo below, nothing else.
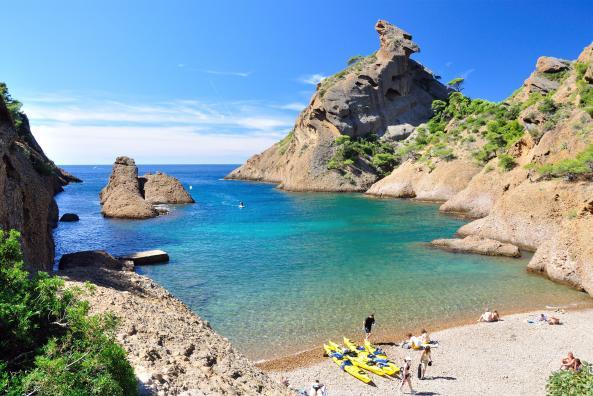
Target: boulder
(396, 133)
(548, 64)
(122, 197)
(477, 245)
(69, 217)
(160, 188)
(147, 257)
(89, 258)
(589, 74)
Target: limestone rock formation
(122, 197)
(478, 245)
(383, 90)
(542, 79)
(160, 188)
(128, 196)
(173, 351)
(28, 182)
(89, 258)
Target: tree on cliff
(13, 105)
(49, 343)
(456, 84)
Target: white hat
(408, 358)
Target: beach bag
(420, 370)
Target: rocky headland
(127, 196)
(376, 100)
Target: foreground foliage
(49, 344)
(571, 383)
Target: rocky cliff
(128, 196)
(28, 182)
(382, 96)
(522, 167)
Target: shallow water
(293, 269)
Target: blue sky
(217, 81)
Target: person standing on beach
(406, 374)
(368, 326)
(425, 361)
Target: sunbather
(569, 362)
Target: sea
(292, 270)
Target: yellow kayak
(358, 360)
(345, 364)
(375, 355)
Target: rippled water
(292, 269)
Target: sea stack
(374, 96)
(128, 196)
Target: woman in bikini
(407, 374)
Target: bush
(581, 164)
(506, 162)
(380, 155)
(49, 344)
(571, 383)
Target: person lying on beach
(543, 318)
(577, 365)
(553, 321)
(408, 342)
(569, 362)
(318, 388)
(489, 317)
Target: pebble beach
(510, 357)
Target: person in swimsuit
(368, 326)
(317, 389)
(568, 362)
(406, 374)
(425, 360)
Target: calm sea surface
(293, 269)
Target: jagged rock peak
(123, 160)
(394, 39)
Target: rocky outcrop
(90, 258)
(128, 196)
(122, 197)
(69, 217)
(173, 351)
(372, 96)
(412, 180)
(28, 182)
(160, 188)
(478, 245)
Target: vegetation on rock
(571, 167)
(569, 382)
(350, 150)
(355, 65)
(50, 345)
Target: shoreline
(315, 355)
(512, 356)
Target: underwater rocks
(477, 245)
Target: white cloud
(313, 79)
(294, 106)
(466, 73)
(228, 73)
(91, 131)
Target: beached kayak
(373, 356)
(345, 364)
(359, 360)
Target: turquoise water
(292, 269)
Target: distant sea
(291, 270)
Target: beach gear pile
(359, 361)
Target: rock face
(173, 351)
(160, 188)
(372, 96)
(89, 258)
(28, 182)
(478, 245)
(122, 197)
(127, 196)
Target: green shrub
(547, 105)
(581, 69)
(354, 59)
(581, 164)
(285, 142)
(49, 344)
(506, 162)
(13, 106)
(380, 155)
(571, 383)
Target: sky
(217, 81)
